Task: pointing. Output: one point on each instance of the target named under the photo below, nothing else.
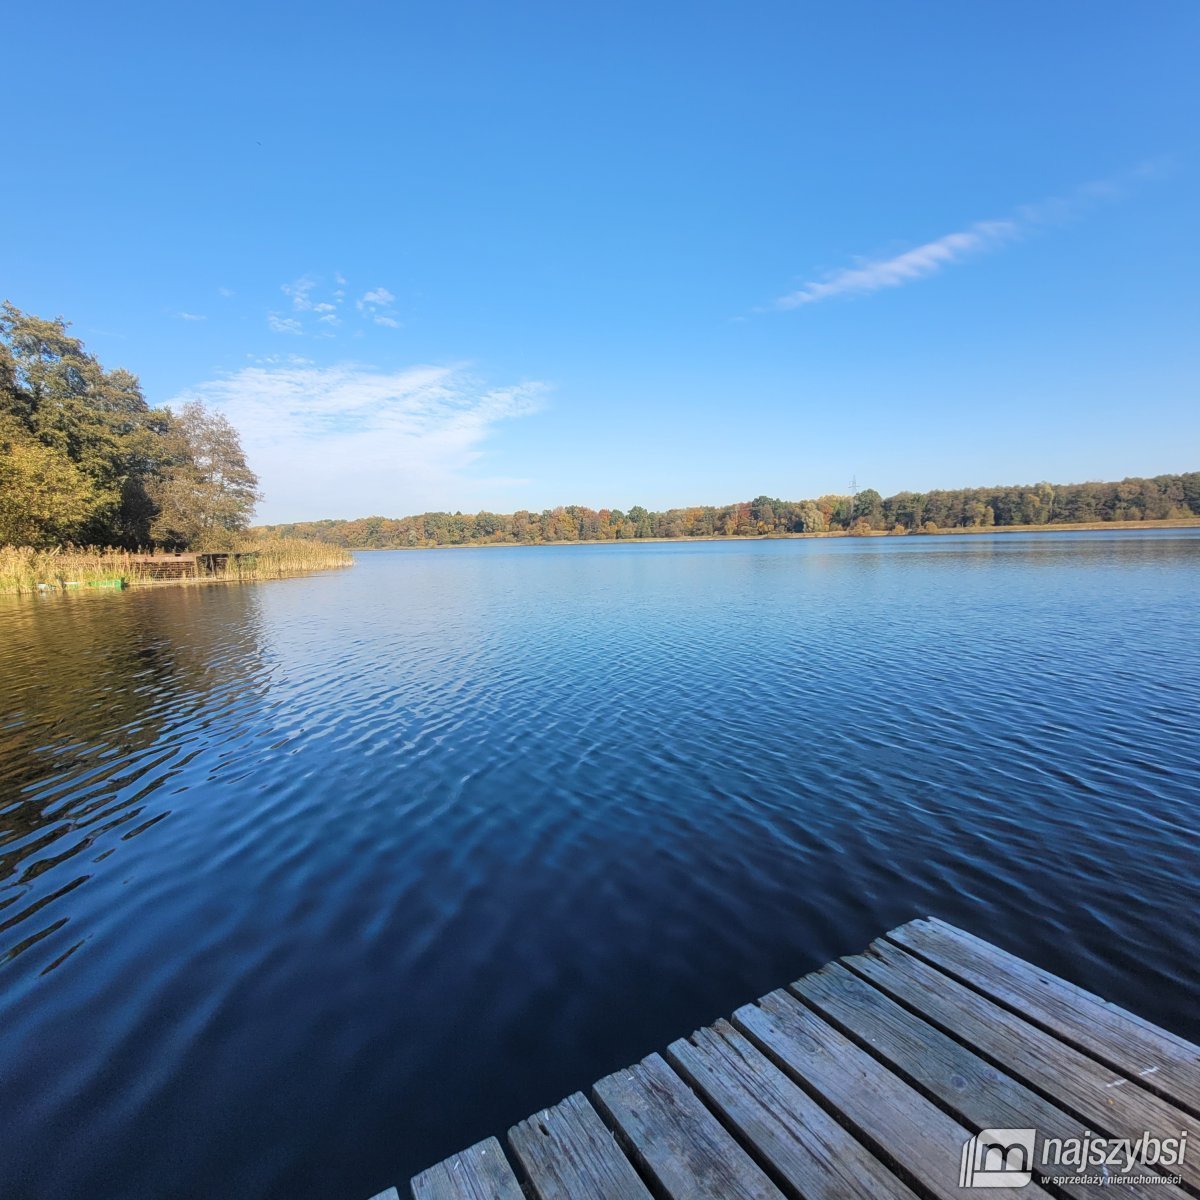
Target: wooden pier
(179, 565)
(868, 1078)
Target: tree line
(1162, 498)
(85, 460)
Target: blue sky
(473, 255)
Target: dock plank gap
(931, 1065)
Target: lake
(307, 884)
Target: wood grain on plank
(1162, 1061)
(786, 1127)
(898, 1123)
(976, 1093)
(480, 1173)
(1111, 1104)
(569, 1154)
(676, 1139)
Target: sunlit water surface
(304, 885)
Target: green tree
(641, 520)
(868, 506)
(45, 499)
(206, 493)
(811, 518)
(96, 419)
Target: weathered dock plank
(676, 1139)
(787, 1128)
(1162, 1062)
(480, 1173)
(873, 1077)
(1114, 1105)
(568, 1153)
(893, 1118)
(975, 1092)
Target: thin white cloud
(225, 293)
(299, 292)
(317, 312)
(349, 440)
(873, 275)
(187, 316)
(376, 298)
(904, 268)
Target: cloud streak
(874, 275)
(349, 440)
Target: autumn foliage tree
(204, 493)
(1163, 497)
(84, 458)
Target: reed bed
(25, 569)
(275, 558)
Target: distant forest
(1162, 498)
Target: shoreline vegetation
(1158, 502)
(1060, 527)
(91, 475)
(25, 569)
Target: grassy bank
(24, 569)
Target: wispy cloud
(350, 440)
(376, 298)
(187, 316)
(278, 324)
(376, 306)
(317, 311)
(225, 293)
(914, 264)
(873, 275)
(300, 292)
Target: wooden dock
(869, 1078)
(166, 564)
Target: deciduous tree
(206, 493)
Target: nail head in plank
(784, 1125)
(676, 1139)
(480, 1173)
(569, 1154)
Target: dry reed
(25, 569)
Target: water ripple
(305, 885)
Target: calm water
(304, 885)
